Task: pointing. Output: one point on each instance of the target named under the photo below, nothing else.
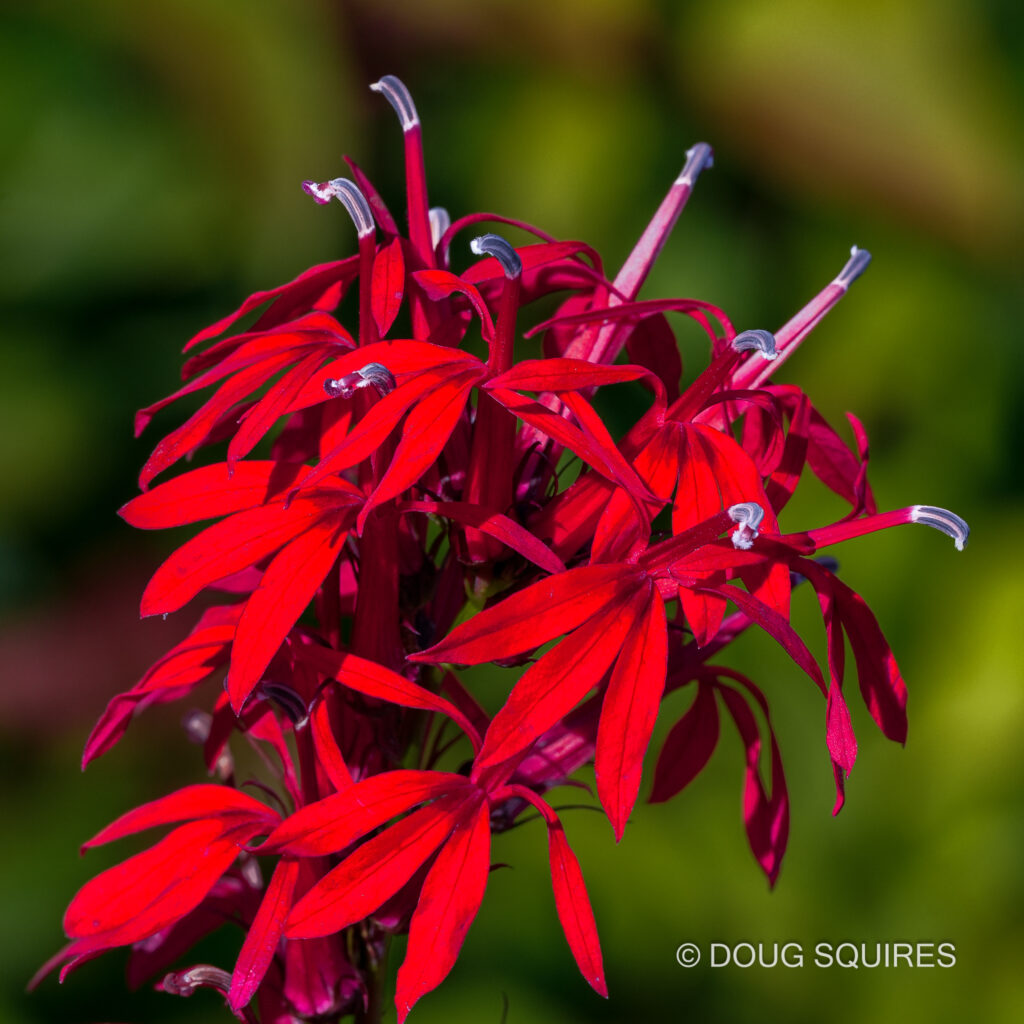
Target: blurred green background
(150, 157)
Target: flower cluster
(413, 507)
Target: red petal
(192, 802)
(275, 403)
(299, 295)
(563, 375)
(331, 824)
(652, 344)
(688, 746)
(531, 617)
(382, 683)
(599, 452)
(555, 684)
(212, 491)
(448, 903)
(231, 545)
(197, 428)
(638, 310)
(425, 433)
(375, 871)
(187, 664)
(388, 285)
(629, 712)
(766, 818)
(494, 524)
(264, 935)
(149, 891)
(327, 750)
(440, 284)
(289, 584)
(574, 910)
(881, 683)
(775, 625)
(372, 430)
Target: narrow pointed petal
(563, 375)
(149, 891)
(441, 284)
(264, 934)
(210, 492)
(327, 750)
(191, 803)
(776, 626)
(881, 683)
(451, 896)
(509, 532)
(372, 430)
(337, 821)
(555, 684)
(590, 440)
(186, 665)
(272, 406)
(688, 746)
(289, 584)
(381, 683)
(425, 433)
(375, 871)
(574, 910)
(231, 545)
(629, 712)
(388, 285)
(320, 287)
(194, 431)
(532, 617)
(765, 817)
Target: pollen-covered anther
(287, 699)
(185, 983)
(394, 91)
(759, 341)
(748, 514)
(855, 266)
(374, 375)
(699, 158)
(349, 195)
(501, 250)
(440, 222)
(942, 519)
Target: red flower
(412, 504)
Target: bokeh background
(150, 156)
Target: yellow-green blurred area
(150, 160)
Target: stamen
(185, 983)
(502, 251)
(287, 699)
(394, 91)
(440, 222)
(942, 519)
(855, 266)
(749, 515)
(761, 341)
(349, 195)
(698, 158)
(374, 375)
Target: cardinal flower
(382, 500)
